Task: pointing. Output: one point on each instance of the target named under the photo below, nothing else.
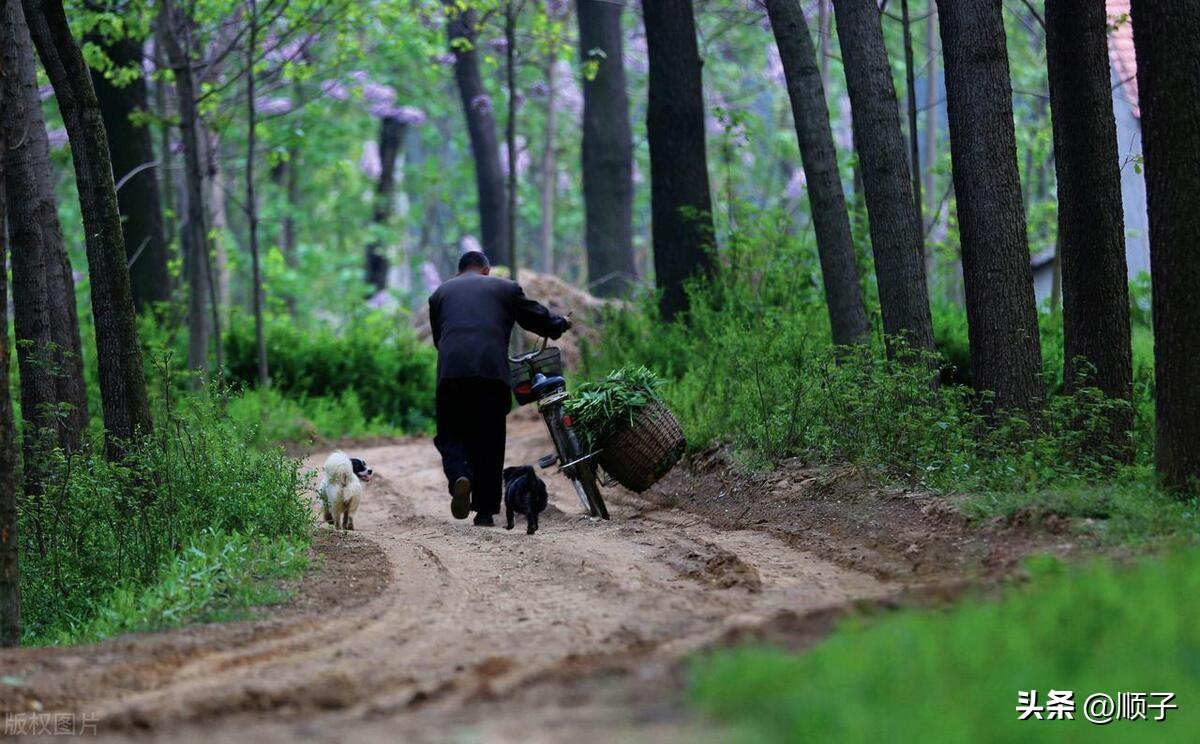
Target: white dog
(341, 490)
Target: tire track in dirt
(470, 616)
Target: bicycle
(537, 378)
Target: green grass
(273, 419)
(953, 676)
(216, 577)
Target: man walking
(472, 317)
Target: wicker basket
(639, 455)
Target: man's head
(474, 262)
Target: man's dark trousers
(471, 414)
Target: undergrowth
(100, 535)
(752, 366)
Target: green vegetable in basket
(605, 406)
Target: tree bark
(136, 169)
(896, 237)
(607, 152)
(46, 321)
(680, 202)
(1001, 315)
(391, 140)
(195, 232)
(1091, 231)
(481, 124)
(122, 378)
(10, 585)
(827, 200)
(1168, 72)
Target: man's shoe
(460, 498)
(484, 520)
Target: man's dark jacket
(472, 316)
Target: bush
(101, 528)
(376, 357)
(954, 676)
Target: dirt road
(427, 628)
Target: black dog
(524, 493)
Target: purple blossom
(843, 129)
(370, 162)
(796, 183)
(482, 103)
(539, 89)
(430, 277)
(45, 92)
(176, 147)
(274, 106)
(360, 76)
(377, 93)
(335, 90)
(57, 137)
(402, 114)
(556, 7)
(445, 59)
(499, 46)
(523, 158)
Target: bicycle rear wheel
(585, 473)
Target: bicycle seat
(543, 384)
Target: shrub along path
(477, 631)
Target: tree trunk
(680, 202)
(549, 168)
(391, 140)
(136, 170)
(1091, 230)
(914, 142)
(1001, 316)
(10, 585)
(477, 107)
(931, 135)
(122, 378)
(827, 200)
(51, 363)
(1168, 72)
(260, 342)
(896, 237)
(511, 11)
(607, 152)
(166, 156)
(174, 28)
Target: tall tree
(175, 33)
(481, 125)
(256, 289)
(1091, 231)
(1001, 316)
(1168, 73)
(680, 202)
(607, 150)
(122, 381)
(895, 225)
(391, 140)
(831, 221)
(512, 14)
(10, 586)
(135, 168)
(54, 394)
